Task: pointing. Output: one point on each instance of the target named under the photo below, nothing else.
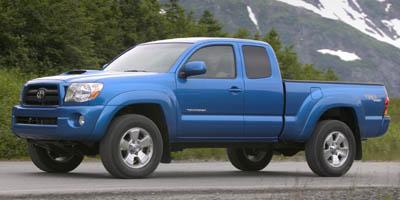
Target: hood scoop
(76, 71)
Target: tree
(50, 36)
(141, 21)
(13, 50)
(47, 37)
(241, 33)
(272, 37)
(178, 23)
(211, 26)
(330, 75)
(107, 35)
(257, 36)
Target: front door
(211, 105)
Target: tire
(127, 152)
(249, 159)
(51, 162)
(326, 150)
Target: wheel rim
(254, 155)
(336, 149)
(136, 147)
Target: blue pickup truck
(168, 95)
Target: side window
(256, 62)
(220, 61)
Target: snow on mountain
(343, 55)
(252, 17)
(350, 12)
(393, 25)
(388, 6)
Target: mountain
(358, 39)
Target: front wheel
(250, 159)
(332, 148)
(132, 147)
(52, 161)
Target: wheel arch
(154, 112)
(155, 105)
(347, 115)
(348, 111)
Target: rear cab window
(256, 62)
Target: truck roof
(205, 39)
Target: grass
(11, 82)
(386, 148)
(200, 154)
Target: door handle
(235, 89)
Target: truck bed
(303, 98)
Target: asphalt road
(205, 178)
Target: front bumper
(66, 127)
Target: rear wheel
(332, 148)
(52, 161)
(249, 159)
(132, 147)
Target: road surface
(218, 179)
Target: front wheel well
(155, 113)
(349, 117)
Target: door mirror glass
(193, 68)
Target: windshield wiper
(135, 70)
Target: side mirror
(193, 68)
(104, 66)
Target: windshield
(148, 58)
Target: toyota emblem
(41, 93)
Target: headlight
(81, 92)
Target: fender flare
(114, 105)
(303, 126)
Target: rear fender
(301, 127)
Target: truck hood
(94, 76)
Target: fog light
(81, 120)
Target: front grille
(37, 120)
(41, 95)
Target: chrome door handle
(235, 89)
